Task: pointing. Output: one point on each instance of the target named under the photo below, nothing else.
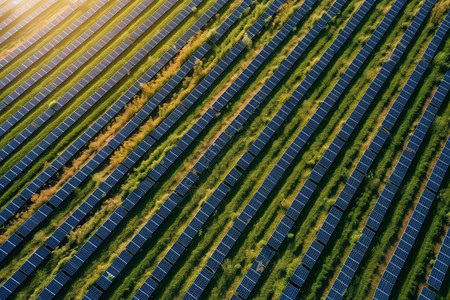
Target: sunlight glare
(16, 2)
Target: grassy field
(251, 241)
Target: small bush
(247, 41)
(52, 103)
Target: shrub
(247, 41)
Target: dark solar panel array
(427, 294)
(181, 189)
(103, 154)
(118, 215)
(36, 37)
(32, 188)
(206, 211)
(376, 216)
(268, 251)
(285, 224)
(176, 151)
(441, 264)
(106, 151)
(92, 131)
(104, 282)
(358, 175)
(409, 236)
(159, 170)
(230, 20)
(254, 204)
(88, 78)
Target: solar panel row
(357, 176)
(210, 154)
(89, 77)
(46, 49)
(33, 15)
(90, 133)
(272, 179)
(18, 12)
(441, 264)
(284, 225)
(62, 194)
(75, 218)
(427, 294)
(232, 177)
(409, 236)
(80, 142)
(402, 166)
(174, 153)
(230, 20)
(13, 120)
(36, 37)
(352, 262)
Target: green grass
(248, 246)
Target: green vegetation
(226, 280)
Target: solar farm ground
(165, 149)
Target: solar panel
(289, 293)
(329, 225)
(383, 290)
(299, 276)
(440, 267)
(426, 294)
(232, 176)
(401, 167)
(317, 173)
(280, 233)
(312, 254)
(366, 161)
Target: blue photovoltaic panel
(142, 190)
(383, 290)
(427, 294)
(442, 90)
(343, 200)
(366, 161)
(232, 176)
(422, 128)
(317, 173)
(440, 267)
(329, 225)
(312, 254)
(440, 168)
(401, 167)
(161, 270)
(378, 141)
(289, 293)
(93, 294)
(383, 202)
(299, 276)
